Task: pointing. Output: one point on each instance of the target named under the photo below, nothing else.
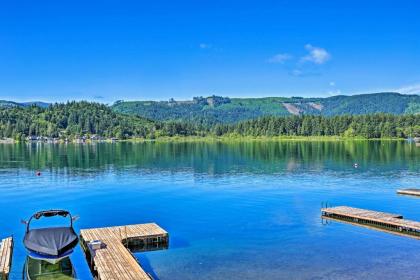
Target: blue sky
(139, 50)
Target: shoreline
(180, 139)
(267, 139)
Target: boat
(42, 270)
(51, 244)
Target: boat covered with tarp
(50, 243)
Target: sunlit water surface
(234, 211)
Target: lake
(240, 210)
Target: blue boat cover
(53, 241)
(48, 258)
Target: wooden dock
(414, 192)
(113, 258)
(6, 252)
(391, 223)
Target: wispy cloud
(205, 46)
(299, 72)
(305, 66)
(410, 89)
(296, 73)
(316, 55)
(280, 58)
(333, 90)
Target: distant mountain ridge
(8, 104)
(216, 109)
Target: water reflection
(42, 270)
(262, 157)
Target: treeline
(71, 120)
(75, 119)
(367, 126)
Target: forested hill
(70, 120)
(85, 120)
(215, 109)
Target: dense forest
(76, 119)
(222, 110)
(207, 111)
(70, 120)
(367, 126)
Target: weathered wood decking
(391, 223)
(114, 259)
(6, 252)
(415, 192)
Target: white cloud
(204, 46)
(296, 73)
(280, 58)
(316, 55)
(334, 92)
(410, 89)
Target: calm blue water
(233, 211)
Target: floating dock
(6, 252)
(415, 192)
(390, 223)
(109, 250)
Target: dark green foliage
(75, 119)
(367, 126)
(204, 111)
(70, 120)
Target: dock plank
(114, 260)
(6, 253)
(414, 192)
(392, 223)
